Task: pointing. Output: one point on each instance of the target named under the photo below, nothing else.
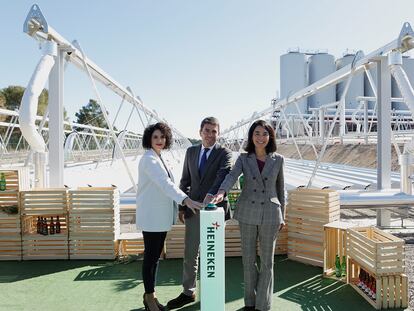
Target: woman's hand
(219, 196)
(193, 205)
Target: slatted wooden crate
(308, 210)
(232, 243)
(17, 178)
(45, 203)
(391, 290)
(10, 237)
(131, 244)
(93, 223)
(10, 228)
(335, 243)
(174, 243)
(380, 252)
(36, 246)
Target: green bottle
(343, 266)
(2, 182)
(337, 267)
(241, 182)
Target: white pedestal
(212, 290)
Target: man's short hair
(210, 120)
(163, 128)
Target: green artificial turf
(103, 285)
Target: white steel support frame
(36, 26)
(56, 127)
(384, 134)
(403, 43)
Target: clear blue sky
(188, 59)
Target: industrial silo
(408, 66)
(357, 84)
(320, 66)
(293, 77)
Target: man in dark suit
(205, 167)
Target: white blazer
(156, 210)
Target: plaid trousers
(258, 283)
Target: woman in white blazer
(157, 199)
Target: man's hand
(282, 225)
(181, 216)
(208, 199)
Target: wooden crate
(131, 244)
(10, 228)
(232, 242)
(44, 247)
(44, 202)
(174, 243)
(391, 290)
(380, 252)
(10, 237)
(17, 178)
(335, 243)
(308, 211)
(93, 223)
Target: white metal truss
(37, 27)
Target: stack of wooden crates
(382, 255)
(93, 223)
(308, 210)
(17, 179)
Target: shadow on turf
(13, 271)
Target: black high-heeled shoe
(147, 308)
(160, 306)
(145, 303)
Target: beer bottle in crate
(52, 226)
(45, 231)
(2, 182)
(374, 289)
(343, 266)
(57, 224)
(38, 225)
(337, 266)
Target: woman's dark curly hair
(271, 145)
(163, 128)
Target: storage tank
(293, 77)
(357, 84)
(320, 66)
(408, 66)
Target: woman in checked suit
(157, 199)
(260, 211)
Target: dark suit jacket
(217, 167)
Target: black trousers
(154, 243)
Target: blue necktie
(203, 162)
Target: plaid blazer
(262, 200)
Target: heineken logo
(211, 250)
